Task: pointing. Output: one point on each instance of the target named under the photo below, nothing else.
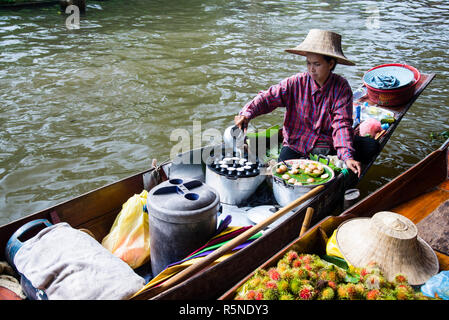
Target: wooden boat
(416, 193)
(96, 211)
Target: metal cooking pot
(285, 193)
(233, 190)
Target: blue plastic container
(12, 247)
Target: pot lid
(179, 200)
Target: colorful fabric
(214, 243)
(222, 237)
(211, 247)
(312, 114)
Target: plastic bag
(331, 246)
(129, 237)
(437, 285)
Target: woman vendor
(318, 106)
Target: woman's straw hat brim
(390, 240)
(322, 42)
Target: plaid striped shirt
(313, 116)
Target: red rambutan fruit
(400, 278)
(374, 281)
(291, 255)
(363, 272)
(251, 295)
(352, 291)
(307, 258)
(297, 263)
(274, 274)
(271, 285)
(360, 290)
(345, 291)
(259, 295)
(332, 284)
(301, 273)
(306, 293)
(373, 294)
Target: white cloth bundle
(68, 264)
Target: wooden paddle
(306, 222)
(203, 263)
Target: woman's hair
(329, 59)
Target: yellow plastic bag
(331, 246)
(129, 237)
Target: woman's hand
(355, 166)
(241, 122)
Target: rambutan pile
(306, 277)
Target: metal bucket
(285, 193)
(182, 217)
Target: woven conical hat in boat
(391, 240)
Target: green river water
(83, 108)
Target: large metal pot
(285, 193)
(233, 189)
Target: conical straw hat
(322, 42)
(391, 240)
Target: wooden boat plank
(445, 185)
(416, 211)
(443, 260)
(422, 177)
(418, 208)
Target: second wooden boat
(414, 194)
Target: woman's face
(319, 69)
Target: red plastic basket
(393, 97)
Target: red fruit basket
(393, 97)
